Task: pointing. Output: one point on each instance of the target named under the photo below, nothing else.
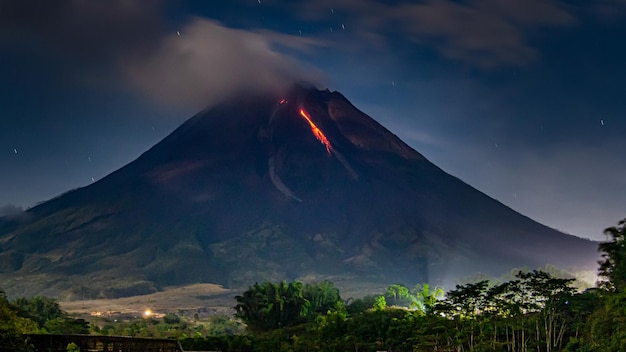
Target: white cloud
(209, 62)
(10, 211)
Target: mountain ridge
(247, 191)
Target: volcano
(297, 186)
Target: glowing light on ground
(147, 313)
(317, 132)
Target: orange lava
(317, 132)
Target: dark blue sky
(522, 99)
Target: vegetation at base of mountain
(12, 327)
(48, 316)
(604, 328)
(613, 264)
(35, 315)
(269, 306)
(533, 311)
(169, 326)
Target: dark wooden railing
(95, 343)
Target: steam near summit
(186, 69)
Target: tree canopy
(613, 263)
(269, 306)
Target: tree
(49, 316)
(398, 295)
(72, 347)
(613, 265)
(606, 323)
(269, 306)
(465, 300)
(581, 311)
(171, 318)
(66, 325)
(380, 303)
(360, 305)
(465, 305)
(12, 328)
(551, 296)
(39, 309)
(322, 297)
(425, 299)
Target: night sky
(523, 99)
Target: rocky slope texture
(302, 185)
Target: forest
(533, 311)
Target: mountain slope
(271, 188)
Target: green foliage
(48, 316)
(613, 265)
(533, 311)
(66, 326)
(223, 325)
(360, 305)
(38, 309)
(171, 318)
(268, 306)
(12, 328)
(173, 327)
(322, 297)
(72, 347)
(465, 301)
(14, 342)
(224, 343)
(380, 303)
(421, 297)
(603, 308)
(425, 299)
(397, 295)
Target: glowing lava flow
(317, 132)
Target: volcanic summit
(300, 185)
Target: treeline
(171, 325)
(37, 315)
(42, 315)
(271, 306)
(534, 311)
